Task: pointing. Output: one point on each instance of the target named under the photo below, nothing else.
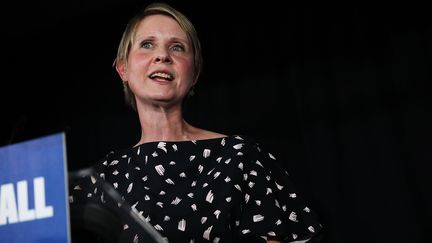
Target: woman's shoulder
(249, 147)
(246, 142)
(204, 135)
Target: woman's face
(160, 66)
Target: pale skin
(160, 71)
(161, 46)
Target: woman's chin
(164, 101)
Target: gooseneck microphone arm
(123, 205)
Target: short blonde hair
(129, 35)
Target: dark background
(340, 93)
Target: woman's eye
(177, 48)
(146, 45)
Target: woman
(191, 184)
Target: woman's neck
(164, 125)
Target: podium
(34, 199)
(33, 191)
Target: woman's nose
(162, 57)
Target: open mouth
(161, 75)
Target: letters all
(14, 208)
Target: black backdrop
(340, 93)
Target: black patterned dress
(227, 189)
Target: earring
(192, 91)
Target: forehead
(158, 24)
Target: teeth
(161, 75)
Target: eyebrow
(179, 40)
(151, 37)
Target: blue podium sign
(33, 191)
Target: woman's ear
(121, 70)
(194, 81)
